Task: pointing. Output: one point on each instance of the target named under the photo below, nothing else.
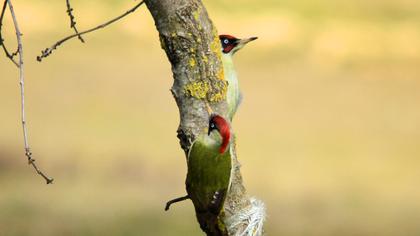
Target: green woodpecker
(208, 177)
(230, 45)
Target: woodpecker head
(222, 126)
(231, 44)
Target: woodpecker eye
(212, 126)
(226, 41)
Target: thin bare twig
(28, 153)
(48, 51)
(72, 21)
(6, 51)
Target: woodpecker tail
(212, 224)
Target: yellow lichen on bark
(196, 14)
(203, 90)
(192, 62)
(220, 94)
(216, 48)
(215, 89)
(197, 89)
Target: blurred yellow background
(328, 132)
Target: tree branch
(193, 48)
(28, 153)
(73, 21)
(48, 51)
(6, 51)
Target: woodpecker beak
(242, 42)
(245, 41)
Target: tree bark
(192, 46)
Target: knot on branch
(185, 139)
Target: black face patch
(212, 126)
(228, 42)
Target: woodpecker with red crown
(209, 175)
(230, 45)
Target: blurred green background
(328, 132)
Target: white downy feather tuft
(253, 217)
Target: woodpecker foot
(168, 204)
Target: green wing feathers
(208, 176)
